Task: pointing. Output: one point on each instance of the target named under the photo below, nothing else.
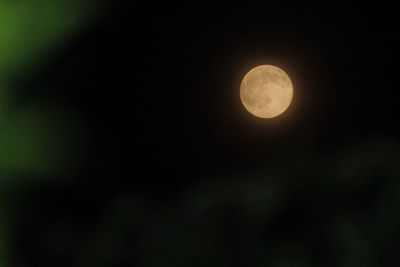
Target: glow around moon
(266, 91)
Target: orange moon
(266, 91)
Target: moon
(266, 91)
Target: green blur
(33, 138)
(28, 28)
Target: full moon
(266, 91)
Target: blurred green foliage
(28, 28)
(338, 210)
(343, 213)
(33, 138)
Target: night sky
(173, 171)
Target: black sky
(159, 89)
(174, 77)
